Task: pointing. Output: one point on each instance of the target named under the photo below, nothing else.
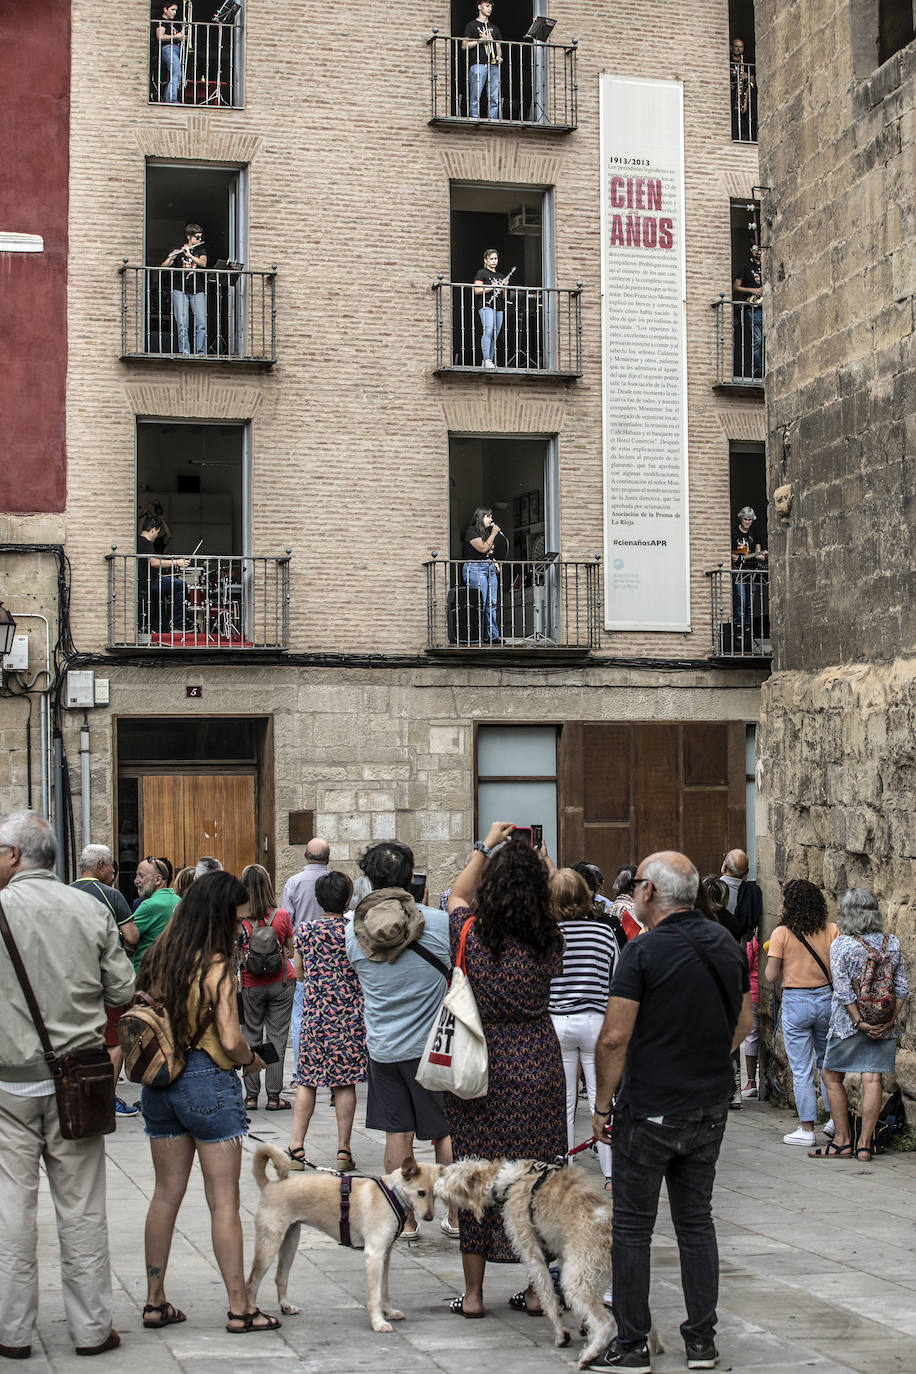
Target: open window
(746, 278)
(742, 71)
(198, 477)
(195, 53)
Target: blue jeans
(168, 589)
(485, 577)
(198, 302)
(483, 74)
(755, 314)
(743, 583)
(683, 1151)
(805, 1019)
(492, 321)
(295, 1027)
(171, 56)
(204, 1102)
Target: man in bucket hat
(402, 993)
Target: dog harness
(543, 1172)
(392, 1197)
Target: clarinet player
(483, 55)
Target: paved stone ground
(818, 1273)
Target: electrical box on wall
(80, 689)
(17, 660)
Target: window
(197, 477)
(878, 29)
(517, 778)
(746, 275)
(742, 71)
(196, 61)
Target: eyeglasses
(160, 867)
(638, 881)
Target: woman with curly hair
(513, 952)
(800, 953)
(579, 994)
(860, 1044)
(191, 970)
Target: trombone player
(481, 44)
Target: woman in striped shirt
(579, 996)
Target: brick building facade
(336, 434)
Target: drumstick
(196, 547)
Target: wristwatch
(483, 849)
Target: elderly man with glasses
(153, 884)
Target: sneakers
(735, 1101)
(636, 1359)
(799, 1137)
(608, 1299)
(123, 1108)
(829, 1129)
(750, 1090)
(702, 1356)
(489, 363)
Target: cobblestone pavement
(818, 1273)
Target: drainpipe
(84, 779)
(59, 802)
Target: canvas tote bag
(455, 1056)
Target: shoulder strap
(430, 959)
(816, 957)
(462, 940)
(701, 954)
(16, 960)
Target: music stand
(226, 12)
(539, 599)
(541, 29)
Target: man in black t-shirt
(483, 55)
(680, 1003)
(748, 287)
(154, 588)
(189, 285)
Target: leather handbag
(83, 1079)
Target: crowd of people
(646, 995)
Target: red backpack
(875, 995)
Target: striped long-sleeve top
(588, 966)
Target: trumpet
(489, 45)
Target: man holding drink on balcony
(483, 55)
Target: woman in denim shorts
(191, 970)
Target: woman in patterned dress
(514, 948)
(332, 1045)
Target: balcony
(538, 331)
(743, 85)
(740, 613)
(197, 63)
(740, 347)
(217, 603)
(537, 606)
(237, 322)
(537, 86)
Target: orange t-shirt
(799, 970)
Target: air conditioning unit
(525, 220)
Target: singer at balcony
(481, 569)
(490, 302)
(483, 55)
(169, 34)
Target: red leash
(586, 1144)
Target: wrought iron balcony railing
(517, 604)
(224, 602)
(232, 317)
(529, 329)
(533, 84)
(740, 612)
(740, 345)
(743, 83)
(194, 63)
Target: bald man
(680, 1003)
(300, 901)
(745, 900)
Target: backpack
(263, 955)
(145, 1035)
(875, 995)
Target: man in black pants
(154, 581)
(680, 1003)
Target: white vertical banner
(644, 355)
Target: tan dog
(313, 1199)
(555, 1211)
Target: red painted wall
(34, 173)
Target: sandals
(251, 1103)
(346, 1164)
(457, 1305)
(168, 1315)
(863, 1150)
(518, 1302)
(276, 1103)
(270, 1323)
(297, 1157)
(831, 1151)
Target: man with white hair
(72, 955)
(96, 874)
(680, 1003)
(300, 901)
(745, 900)
(206, 864)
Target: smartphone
(267, 1052)
(537, 836)
(418, 887)
(523, 834)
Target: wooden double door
(186, 815)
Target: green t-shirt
(151, 918)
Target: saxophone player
(483, 54)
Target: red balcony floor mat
(178, 639)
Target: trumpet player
(481, 44)
(189, 289)
(169, 35)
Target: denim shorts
(205, 1102)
